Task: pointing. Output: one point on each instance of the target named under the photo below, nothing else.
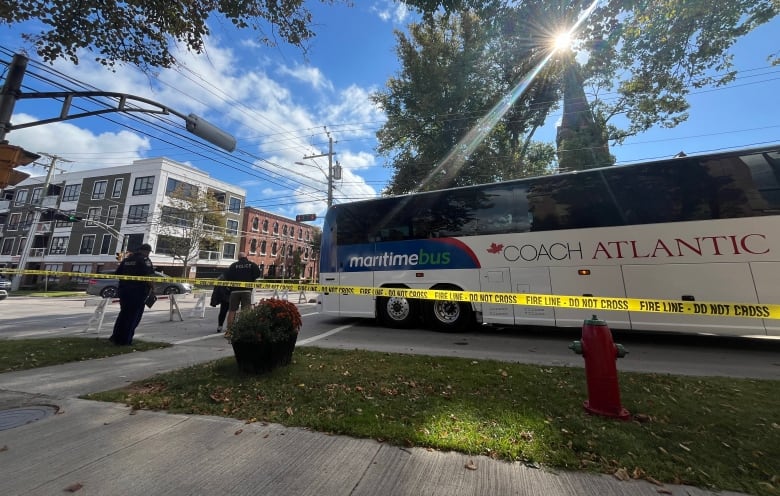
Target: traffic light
(65, 216)
(305, 217)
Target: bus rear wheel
(395, 312)
(450, 316)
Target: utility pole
(330, 166)
(34, 226)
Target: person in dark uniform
(221, 297)
(241, 270)
(132, 294)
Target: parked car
(109, 288)
(5, 284)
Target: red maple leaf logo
(494, 248)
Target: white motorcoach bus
(696, 228)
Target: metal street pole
(11, 92)
(33, 228)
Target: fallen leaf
(621, 474)
(289, 411)
(238, 432)
(663, 491)
(74, 487)
(4, 447)
(681, 445)
(653, 481)
(471, 465)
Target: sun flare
(562, 41)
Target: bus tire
(450, 316)
(396, 312)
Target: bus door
(532, 280)
(589, 281)
(706, 282)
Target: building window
(36, 196)
(20, 248)
(28, 218)
(235, 205)
(52, 267)
(99, 190)
(255, 223)
(83, 268)
(265, 225)
(229, 250)
(87, 245)
(105, 244)
(262, 247)
(117, 191)
(138, 214)
(232, 227)
(71, 192)
(59, 245)
(93, 214)
(13, 222)
(276, 228)
(274, 249)
(300, 233)
(134, 241)
(253, 246)
(307, 235)
(8, 246)
(284, 231)
(111, 217)
(306, 254)
(21, 197)
(143, 185)
(262, 269)
(182, 189)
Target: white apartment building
(121, 207)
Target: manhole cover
(23, 416)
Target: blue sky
(278, 104)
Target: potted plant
(263, 337)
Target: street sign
(305, 217)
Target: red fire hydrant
(601, 354)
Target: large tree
(191, 221)
(452, 74)
(644, 56)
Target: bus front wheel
(395, 312)
(450, 316)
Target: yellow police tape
(720, 309)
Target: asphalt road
(26, 317)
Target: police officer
(132, 294)
(241, 270)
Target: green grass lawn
(710, 432)
(21, 354)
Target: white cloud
(307, 74)
(81, 147)
(391, 11)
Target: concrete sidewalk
(94, 448)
